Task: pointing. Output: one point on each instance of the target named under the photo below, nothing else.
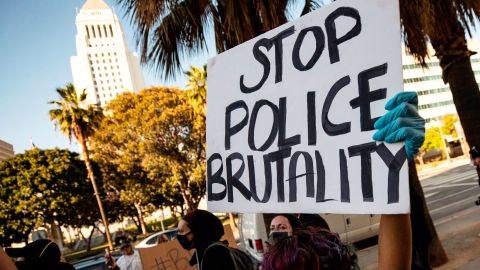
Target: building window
(99, 31)
(105, 30)
(93, 31)
(111, 31)
(88, 33)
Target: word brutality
(220, 169)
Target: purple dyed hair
(306, 249)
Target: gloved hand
(402, 123)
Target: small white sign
(290, 116)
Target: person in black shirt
(475, 156)
(202, 230)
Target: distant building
(103, 66)
(6, 151)
(434, 97)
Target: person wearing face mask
(282, 226)
(201, 230)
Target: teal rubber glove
(402, 123)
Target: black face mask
(184, 242)
(276, 237)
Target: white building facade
(434, 96)
(103, 65)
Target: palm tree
(197, 88)
(170, 29)
(78, 120)
(444, 24)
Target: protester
(314, 221)
(42, 254)
(475, 157)
(129, 261)
(306, 249)
(201, 229)
(310, 250)
(282, 226)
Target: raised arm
(6, 262)
(401, 123)
(395, 242)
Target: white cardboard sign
(290, 116)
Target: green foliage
(152, 150)
(169, 30)
(448, 127)
(42, 186)
(433, 140)
(73, 116)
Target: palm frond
(70, 116)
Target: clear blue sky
(37, 39)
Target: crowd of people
(301, 241)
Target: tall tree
(78, 120)
(444, 24)
(153, 148)
(42, 187)
(167, 30)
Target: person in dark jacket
(201, 230)
(475, 157)
(42, 254)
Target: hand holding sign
(402, 123)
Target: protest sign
(171, 256)
(290, 116)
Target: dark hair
(474, 152)
(313, 220)
(293, 220)
(205, 226)
(305, 249)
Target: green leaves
(151, 148)
(39, 187)
(73, 116)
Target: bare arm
(395, 242)
(6, 262)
